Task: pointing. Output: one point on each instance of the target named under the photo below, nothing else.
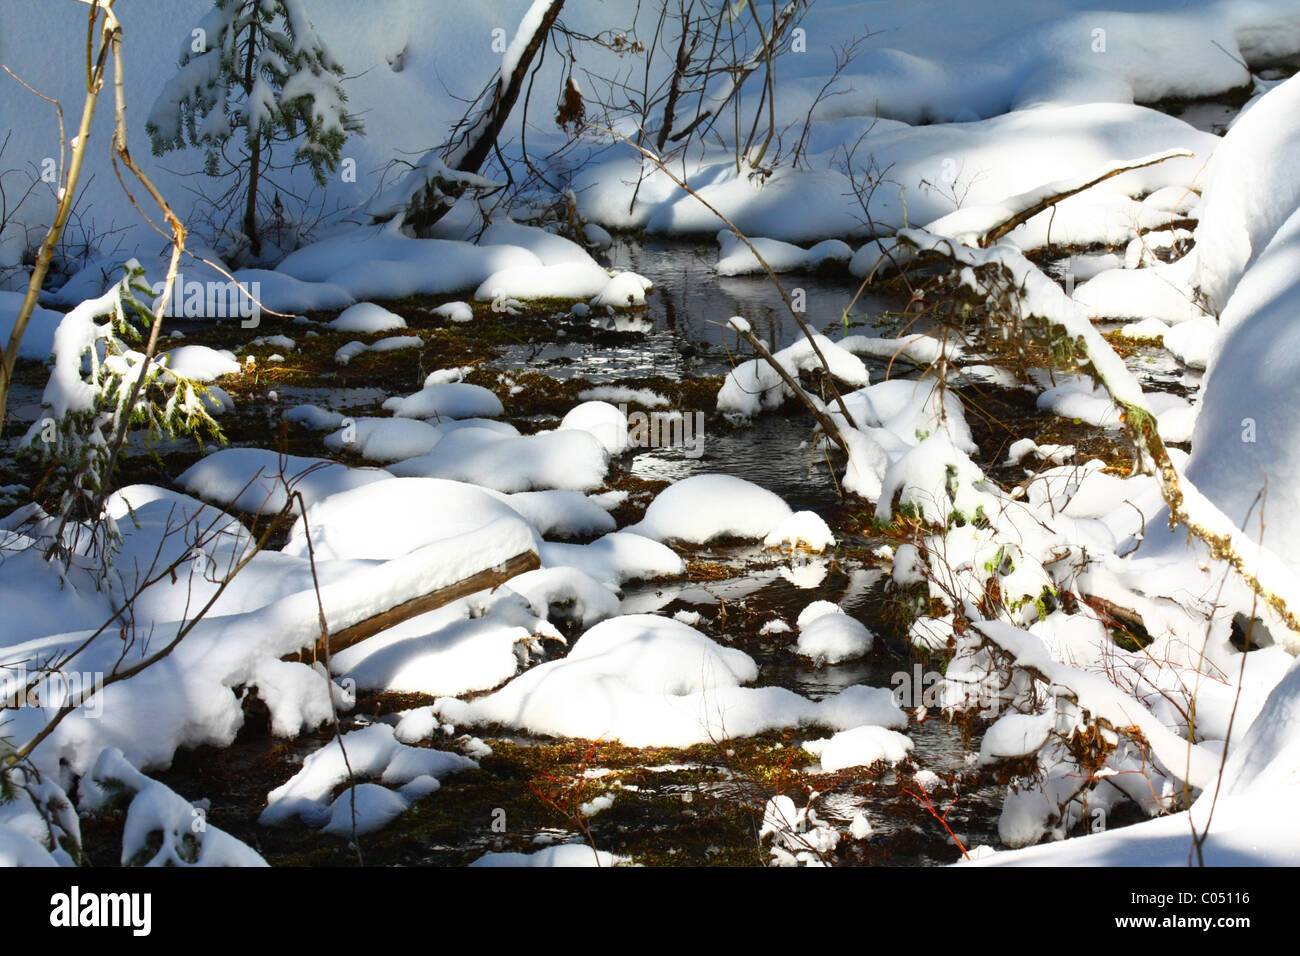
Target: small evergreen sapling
(259, 66)
(82, 410)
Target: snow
(601, 420)
(859, 747)
(564, 459)
(564, 854)
(703, 507)
(284, 293)
(615, 558)
(1250, 190)
(384, 439)
(38, 340)
(447, 400)
(735, 258)
(649, 681)
(971, 224)
(391, 344)
(942, 166)
(559, 513)
(372, 752)
(200, 363)
(455, 312)
(441, 652)
(621, 393)
(829, 636)
(255, 480)
(1193, 341)
(966, 114)
(366, 264)
(386, 519)
(567, 592)
(157, 811)
(627, 290)
(367, 318)
(803, 529)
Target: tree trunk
(473, 149)
(255, 147)
(250, 206)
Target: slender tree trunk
(480, 136)
(255, 147)
(67, 199)
(250, 207)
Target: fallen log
(1043, 198)
(489, 578)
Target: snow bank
(1251, 188)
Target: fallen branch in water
(827, 423)
(1036, 202)
(483, 580)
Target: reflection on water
(680, 333)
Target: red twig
(923, 798)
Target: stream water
(679, 336)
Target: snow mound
(735, 258)
(602, 420)
(284, 293)
(447, 400)
(648, 681)
(255, 479)
(564, 514)
(372, 752)
(615, 558)
(829, 636)
(803, 529)
(384, 439)
(200, 363)
(859, 747)
(386, 519)
(444, 651)
(569, 460)
(366, 318)
(455, 312)
(566, 854)
(704, 507)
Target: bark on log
(1024, 215)
(492, 578)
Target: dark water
(681, 331)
